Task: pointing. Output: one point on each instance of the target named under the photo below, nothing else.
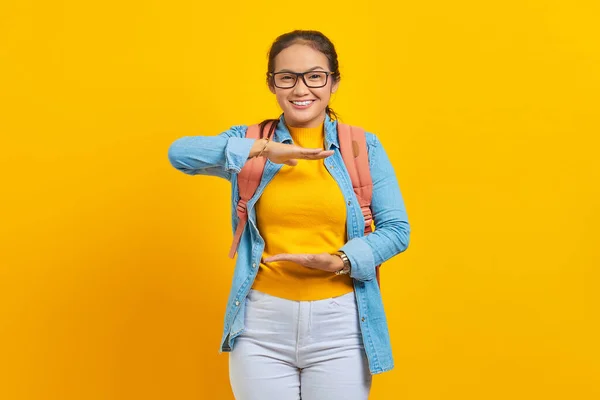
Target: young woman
(304, 317)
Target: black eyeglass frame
(300, 74)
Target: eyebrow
(312, 69)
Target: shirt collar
(282, 134)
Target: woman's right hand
(289, 154)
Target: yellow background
(114, 270)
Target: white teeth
(302, 103)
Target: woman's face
(303, 58)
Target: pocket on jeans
(255, 297)
(346, 302)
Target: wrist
(265, 149)
(345, 266)
(338, 263)
(257, 147)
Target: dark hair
(314, 39)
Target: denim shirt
(225, 154)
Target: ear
(335, 87)
(272, 89)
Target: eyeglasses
(312, 79)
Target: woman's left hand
(323, 261)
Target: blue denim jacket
(225, 154)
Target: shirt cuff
(362, 263)
(237, 152)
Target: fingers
(309, 151)
(309, 154)
(316, 155)
(281, 257)
(302, 259)
(322, 261)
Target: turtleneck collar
(308, 137)
(282, 133)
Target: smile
(304, 103)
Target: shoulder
(238, 131)
(241, 131)
(372, 139)
(373, 147)
(373, 142)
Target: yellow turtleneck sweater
(302, 210)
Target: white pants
(291, 350)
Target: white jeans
(291, 350)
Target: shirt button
(253, 265)
(237, 303)
(349, 202)
(363, 319)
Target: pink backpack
(353, 146)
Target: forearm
(366, 252)
(218, 155)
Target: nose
(300, 88)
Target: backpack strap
(353, 146)
(248, 179)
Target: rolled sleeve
(221, 155)
(237, 152)
(361, 259)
